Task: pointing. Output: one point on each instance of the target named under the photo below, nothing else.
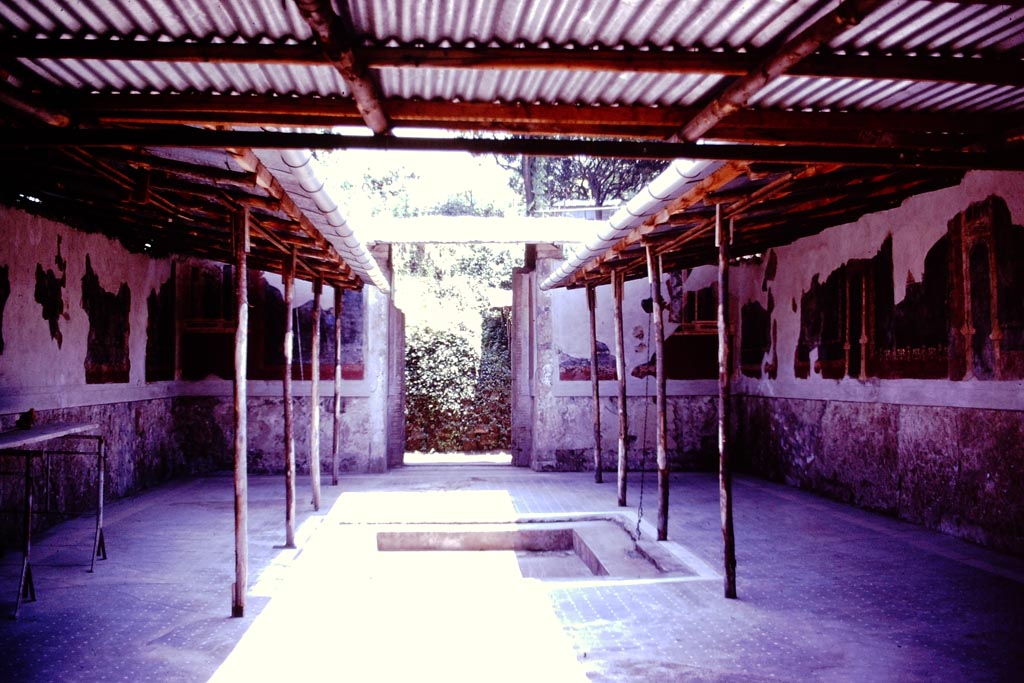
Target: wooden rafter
(736, 96)
(337, 37)
(918, 130)
(716, 180)
(980, 69)
(248, 160)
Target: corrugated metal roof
(792, 92)
(103, 76)
(910, 68)
(228, 20)
(918, 26)
(659, 23)
(549, 87)
(940, 27)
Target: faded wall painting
(964, 319)
(208, 321)
(267, 334)
(691, 330)
(106, 356)
(160, 332)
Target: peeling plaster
(49, 294)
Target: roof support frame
(973, 69)
(998, 159)
(337, 36)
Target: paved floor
(827, 592)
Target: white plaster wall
(34, 371)
(915, 226)
(561, 414)
(570, 330)
(378, 320)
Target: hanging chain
(643, 445)
(298, 344)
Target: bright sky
(440, 175)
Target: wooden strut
(337, 37)
(314, 397)
(289, 416)
(241, 247)
(736, 96)
(724, 404)
(595, 381)
(336, 443)
(618, 282)
(654, 274)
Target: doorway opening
(457, 300)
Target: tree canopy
(546, 182)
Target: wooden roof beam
(337, 37)
(996, 159)
(919, 130)
(987, 69)
(736, 96)
(736, 209)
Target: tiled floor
(827, 592)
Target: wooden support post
(314, 397)
(595, 380)
(336, 444)
(654, 274)
(289, 414)
(724, 376)
(241, 244)
(618, 283)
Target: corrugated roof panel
(934, 26)
(546, 86)
(157, 18)
(1002, 98)
(658, 23)
(791, 92)
(104, 76)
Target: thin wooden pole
(724, 389)
(595, 381)
(336, 444)
(241, 239)
(289, 415)
(314, 397)
(618, 282)
(654, 273)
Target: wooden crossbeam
(979, 69)
(318, 111)
(1005, 159)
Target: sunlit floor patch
(351, 613)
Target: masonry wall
(553, 415)
(864, 377)
(139, 346)
(879, 363)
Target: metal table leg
(26, 587)
(99, 545)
